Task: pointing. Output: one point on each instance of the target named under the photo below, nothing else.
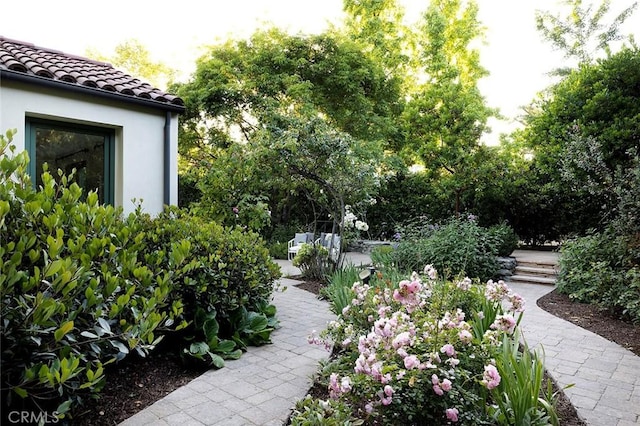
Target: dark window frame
(32, 124)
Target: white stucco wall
(139, 134)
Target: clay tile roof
(74, 71)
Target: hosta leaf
(233, 354)
(216, 360)
(211, 328)
(225, 346)
(199, 348)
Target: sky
(174, 33)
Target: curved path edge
(605, 377)
(263, 385)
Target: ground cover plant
(427, 351)
(83, 286)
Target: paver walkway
(605, 375)
(263, 386)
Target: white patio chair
(294, 244)
(326, 243)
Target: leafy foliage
(446, 114)
(229, 268)
(459, 246)
(316, 412)
(505, 239)
(583, 135)
(338, 291)
(603, 268)
(132, 57)
(82, 286)
(334, 168)
(243, 83)
(313, 261)
(518, 400)
(76, 292)
(230, 190)
(581, 34)
(213, 350)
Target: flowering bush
(312, 412)
(352, 227)
(422, 351)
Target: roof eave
(73, 87)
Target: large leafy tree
(446, 113)
(333, 167)
(134, 58)
(263, 88)
(242, 85)
(378, 26)
(582, 33)
(585, 134)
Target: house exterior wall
(139, 136)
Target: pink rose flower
(446, 385)
(465, 336)
(452, 414)
(438, 390)
(491, 377)
(411, 362)
(448, 349)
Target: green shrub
(75, 293)
(229, 278)
(504, 238)
(229, 268)
(599, 269)
(382, 257)
(313, 261)
(459, 246)
(278, 250)
(82, 286)
(316, 412)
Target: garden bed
(141, 382)
(559, 305)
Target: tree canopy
(132, 57)
(582, 33)
(586, 132)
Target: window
(65, 146)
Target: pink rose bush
(421, 351)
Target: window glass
(86, 150)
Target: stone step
(537, 264)
(532, 279)
(535, 270)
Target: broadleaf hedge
(82, 285)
